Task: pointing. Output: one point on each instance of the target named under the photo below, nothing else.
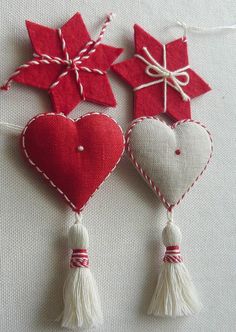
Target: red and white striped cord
(72, 64)
(79, 258)
(172, 255)
(86, 52)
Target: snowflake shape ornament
(69, 65)
(161, 77)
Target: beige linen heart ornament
(169, 158)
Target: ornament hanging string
(74, 64)
(169, 214)
(11, 126)
(203, 29)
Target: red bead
(178, 152)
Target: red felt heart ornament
(74, 156)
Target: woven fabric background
(124, 218)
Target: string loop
(170, 216)
(11, 126)
(187, 28)
(78, 217)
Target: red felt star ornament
(161, 77)
(69, 65)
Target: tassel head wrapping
(79, 242)
(175, 294)
(172, 255)
(172, 237)
(78, 237)
(79, 258)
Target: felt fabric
(149, 101)
(66, 95)
(75, 156)
(170, 159)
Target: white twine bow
(156, 70)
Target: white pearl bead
(80, 148)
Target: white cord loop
(170, 216)
(187, 28)
(184, 26)
(78, 217)
(11, 126)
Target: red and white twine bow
(156, 70)
(74, 64)
(172, 255)
(79, 258)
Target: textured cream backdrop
(124, 218)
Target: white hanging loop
(187, 28)
(78, 217)
(170, 215)
(184, 26)
(11, 126)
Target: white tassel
(175, 294)
(82, 307)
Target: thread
(189, 28)
(11, 126)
